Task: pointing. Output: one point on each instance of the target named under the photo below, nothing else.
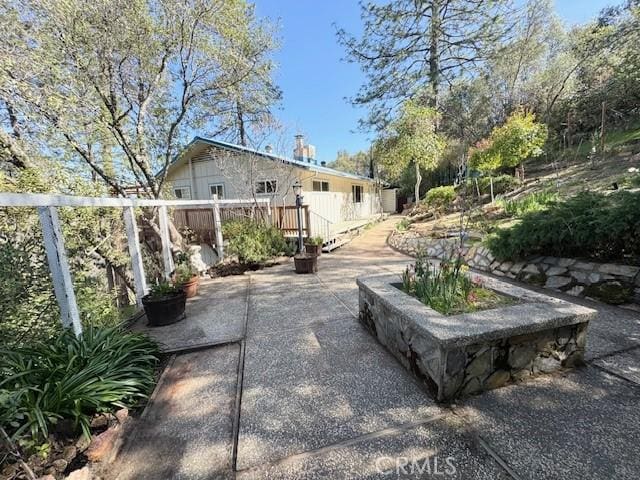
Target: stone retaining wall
(608, 282)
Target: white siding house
(337, 201)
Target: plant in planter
(305, 263)
(448, 288)
(164, 304)
(313, 245)
(187, 278)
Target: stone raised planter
(457, 355)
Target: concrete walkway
(309, 394)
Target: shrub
(403, 225)
(501, 184)
(591, 225)
(69, 378)
(253, 242)
(440, 198)
(533, 202)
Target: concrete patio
(297, 389)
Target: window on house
(183, 193)
(356, 192)
(320, 186)
(266, 186)
(216, 189)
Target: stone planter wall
(458, 355)
(607, 282)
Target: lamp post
(297, 190)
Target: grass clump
(533, 202)
(448, 288)
(71, 378)
(589, 225)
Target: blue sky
(314, 79)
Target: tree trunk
(434, 54)
(418, 181)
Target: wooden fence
(201, 222)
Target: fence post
(167, 258)
(133, 240)
(217, 227)
(59, 268)
(307, 219)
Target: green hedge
(589, 225)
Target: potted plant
(313, 245)
(185, 276)
(164, 304)
(187, 279)
(306, 263)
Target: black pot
(164, 310)
(306, 263)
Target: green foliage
(253, 242)
(501, 184)
(440, 198)
(357, 163)
(28, 309)
(533, 202)
(163, 289)
(410, 141)
(520, 138)
(448, 288)
(69, 378)
(403, 225)
(314, 241)
(592, 225)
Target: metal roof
(271, 156)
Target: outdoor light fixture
(297, 189)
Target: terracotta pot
(313, 249)
(164, 310)
(191, 287)
(306, 263)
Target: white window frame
(322, 184)
(182, 189)
(218, 186)
(353, 193)
(272, 182)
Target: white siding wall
(237, 172)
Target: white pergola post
(217, 227)
(59, 268)
(167, 258)
(137, 266)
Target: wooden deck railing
(200, 222)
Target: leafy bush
(403, 225)
(592, 225)
(518, 139)
(440, 198)
(314, 241)
(533, 202)
(253, 242)
(73, 378)
(501, 184)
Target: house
(335, 202)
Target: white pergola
(47, 206)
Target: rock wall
(607, 282)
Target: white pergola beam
(59, 268)
(133, 239)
